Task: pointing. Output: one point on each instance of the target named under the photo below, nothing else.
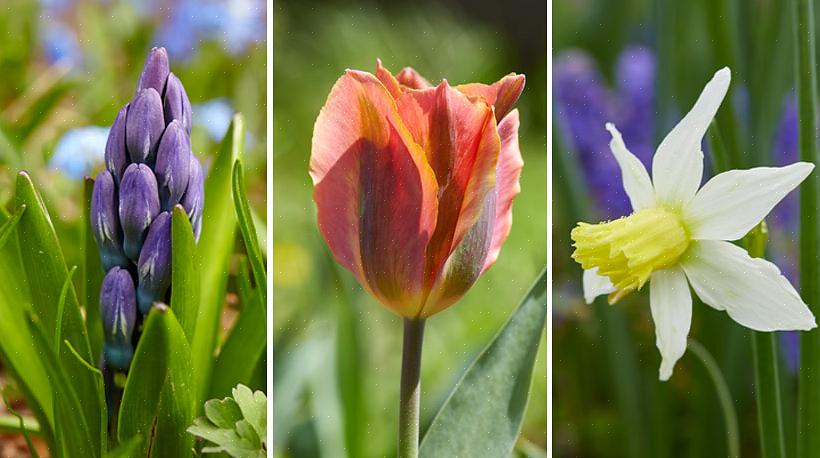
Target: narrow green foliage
(92, 276)
(246, 227)
(185, 287)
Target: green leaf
(17, 349)
(243, 215)
(75, 438)
(22, 427)
(92, 277)
(244, 345)
(157, 402)
(129, 449)
(46, 271)
(482, 416)
(236, 426)
(10, 225)
(215, 247)
(184, 272)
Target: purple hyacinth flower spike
(139, 205)
(105, 221)
(119, 314)
(154, 266)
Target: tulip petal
(411, 79)
(751, 290)
(636, 180)
(374, 191)
(507, 187)
(596, 285)
(389, 81)
(677, 167)
(461, 140)
(671, 306)
(732, 203)
(502, 94)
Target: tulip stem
(409, 405)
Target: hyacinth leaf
(246, 227)
(184, 272)
(45, 269)
(74, 437)
(157, 402)
(92, 273)
(245, 344)
(235, 425)
(128, 449)
(483, 414)
(18, 351)
(215, 248)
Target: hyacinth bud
(154, 267)
(173, 159)
(144, 126)
(155, 71)
(139, 205)
(116, 156)
(194, 196)
(177, 105)
(105, 222)
(119, 313)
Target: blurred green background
(608, 400)
(68, 66)
(336, 350)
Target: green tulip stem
(409, 405)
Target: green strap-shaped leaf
(215, 247)
(243, 215)
(243, 347)
(74, 437)
(157, 402)
(129, 449)
(482, 416)
(46, 271)
(185, 272)
(92, 277)
(17, 349)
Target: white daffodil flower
(678, 235)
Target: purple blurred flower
(584, 105)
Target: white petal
(671, 305)
(636, 180)
(677, 167)
(733, 202)
(595, 285)
(751, 290)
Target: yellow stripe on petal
(628, 250)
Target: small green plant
(235, 425)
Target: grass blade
(246, 227)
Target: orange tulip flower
(414, 183)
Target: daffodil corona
(679, 235)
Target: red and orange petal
(375, 193)
(460, 139)
(411, 79)
(502, 94)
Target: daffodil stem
(723, 394)
(410, 401)
(808, 394)
(767, 394)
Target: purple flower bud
(154, 267)
(173, 159)
(116, 156)
(194, 196)
(177, 105)
(155, 71)
(105, 223)
(119, 313)
(139, 205)
(144, 126)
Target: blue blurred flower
(584, 105)
(79, 150)
(60, 44)
(236, 23)
(214, 116)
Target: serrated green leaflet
(185, 272)
(244, 345)
(246, 227)
(482, 416)
(157, 403)
(92, 273)
(235, 425)
(215, 248)
(46, 271)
